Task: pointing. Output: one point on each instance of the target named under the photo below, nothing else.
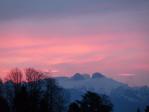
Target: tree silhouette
(38, 94)
(92, 102)
(53, 99)
(1, 87)
(4, 107)
(34, 98)
(138, 110)
(44, 104)
(74, 107)
(21, 100)
(15, 76)
(147, 109)
(33, 75)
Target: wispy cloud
(75, 36)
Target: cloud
(110, 36)
(56, 8)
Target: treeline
(37, 93)
(32, 91)
(91, 102)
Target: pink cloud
(68, 46)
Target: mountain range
(123, 97)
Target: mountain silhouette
(123, 97)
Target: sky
(69, 36)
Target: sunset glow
(113, 41)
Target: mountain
(98, 83)
(97, 75)
(124, 98)
(79, 76)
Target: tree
(44, 104)
(1, 87)
(33, 75)
(74, 107)
(38, 94)
(21, 100)
(34, 99)
(147, 109)
(92, 102)
(15, 76)
(1, 81)
(53, 99)
(4, 107)
(138, 110)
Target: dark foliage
(147, 109)
(138, 110)
(4, 107)
(37, 94)
(41, 94)
(74, 107)
(21, 100)
(91, 102)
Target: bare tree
(1, 81)
(15, 75)
(33, 75)
(1, 87)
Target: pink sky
(114, 42)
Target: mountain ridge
(124, 97)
